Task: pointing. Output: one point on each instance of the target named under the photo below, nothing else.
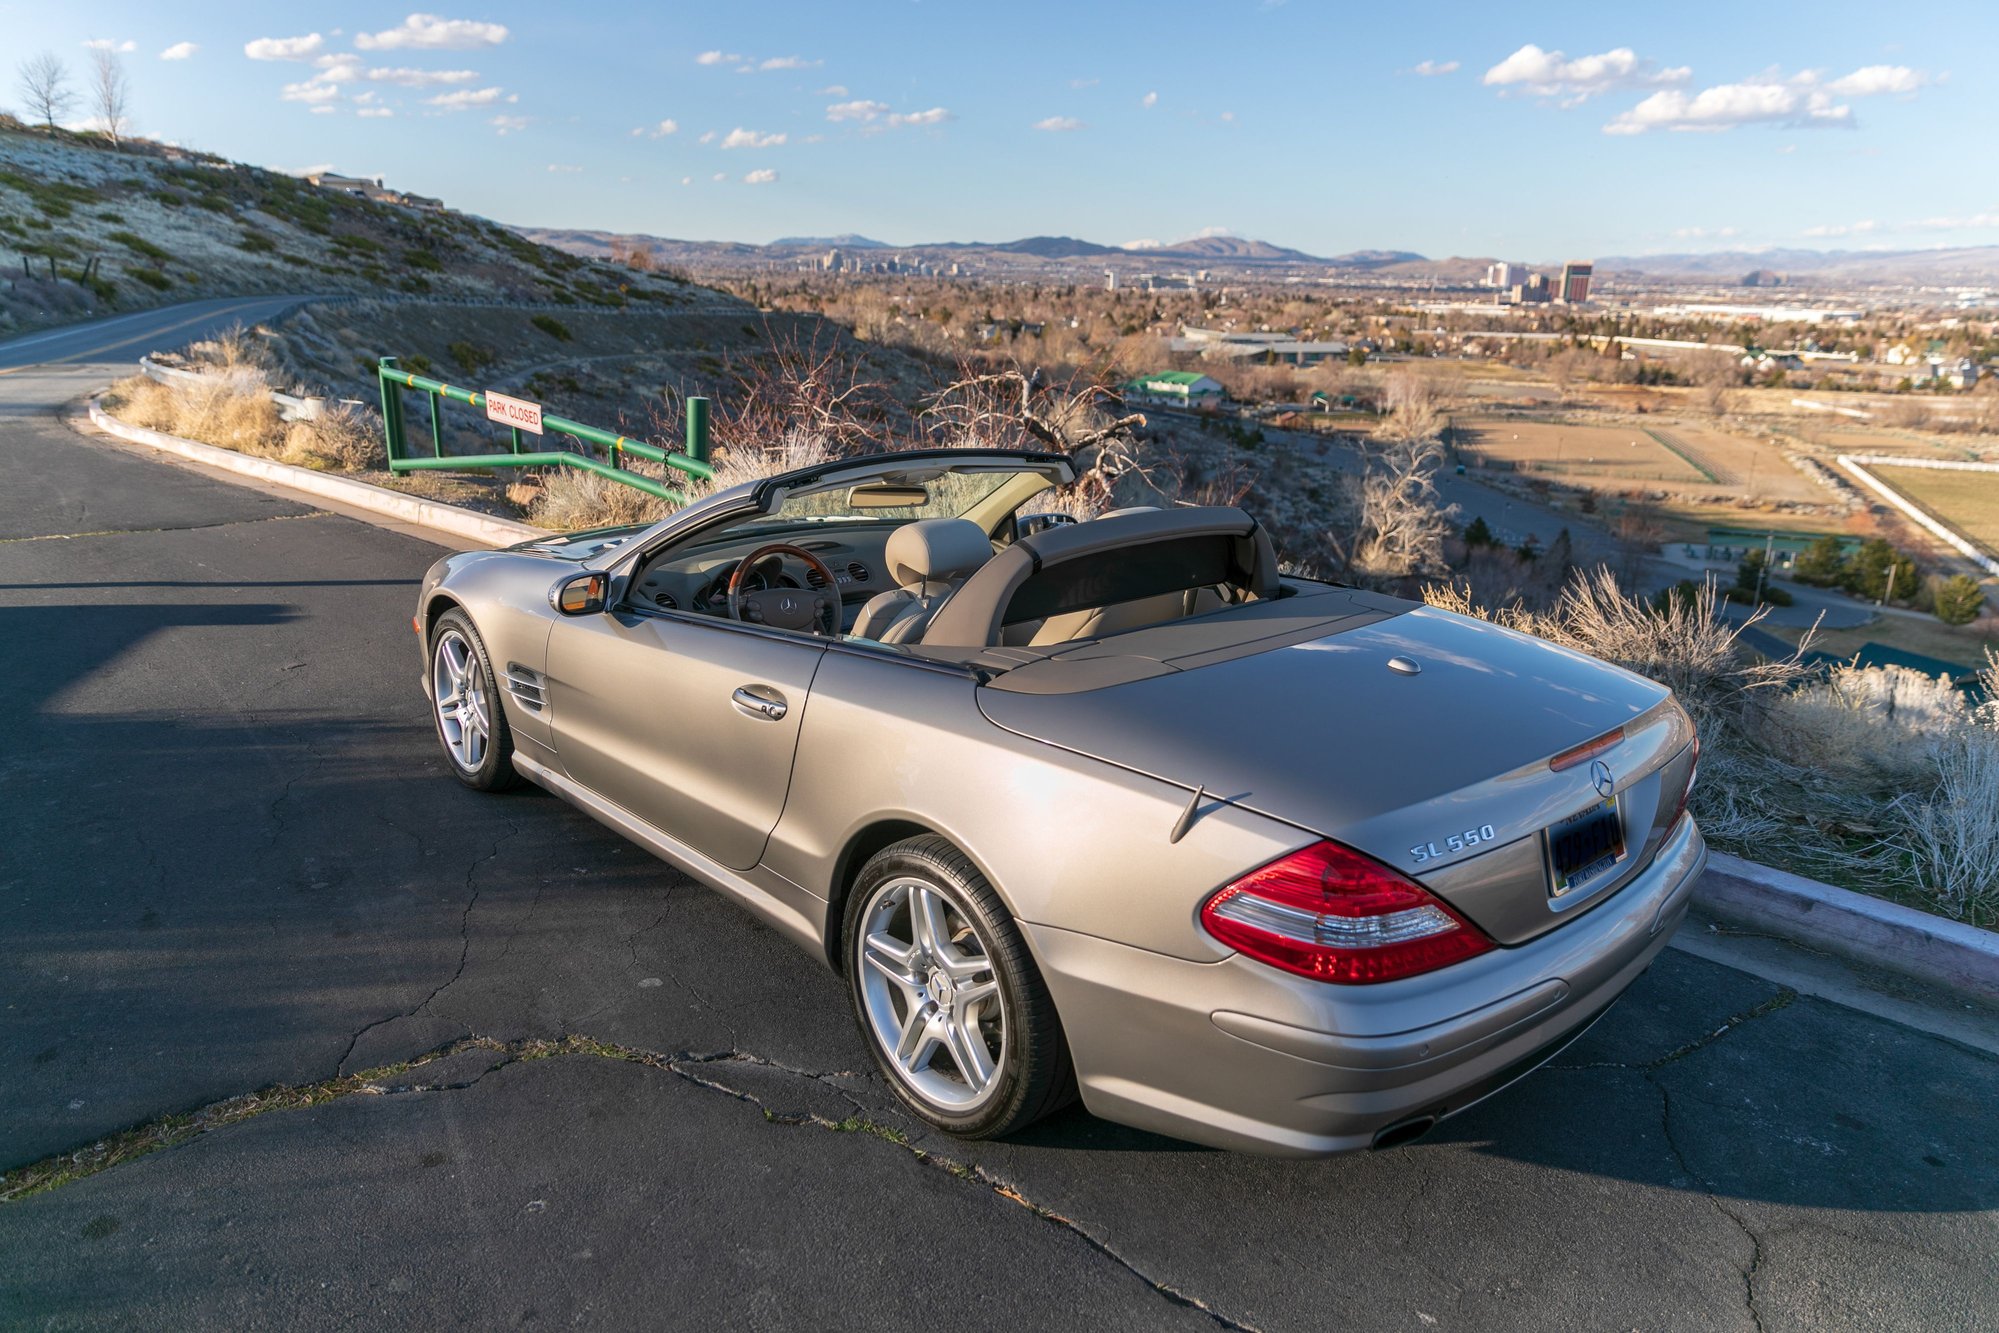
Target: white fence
(1856, 465)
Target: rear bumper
(1243, 1056)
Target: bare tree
(44, 86)
(1715, 375)
(110, 93)
(1402, 522)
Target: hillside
(1976, 264)
(86, 230)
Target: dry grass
(570, 500)
(230, 407)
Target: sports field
(1965, 501)
(1669, 455)
(1585, 455)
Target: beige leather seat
(929, 558)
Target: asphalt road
(233, 859)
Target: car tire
(466, 708)
(921, 1003)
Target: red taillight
(1329, 913)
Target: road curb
(459, 522)
(1946, 954)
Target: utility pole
(1890, 592)
(1763, 572)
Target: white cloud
(375, 112)
(707, 136)
(862, 111)
(832, 90)
(790, 62)
(429, 32)
(337, 69)
(505, 125)
(464, 99)
(422, 78)
(1084, 83)
(1792, 102)
(661, 130)
(1874, 80)
(762, 177)
(1059, 124)
(721, 176)
(1149, 101)
(283, 48)
(106, 44)
(324, 110)
(1430, 69)
(687, 180)
(1553, 74)
(179, 51)
(563, 169)
(1147, 243)
(311, 92)
(936, 115)
(1209, 233)
(741, 138)
(717, 58)
(1844, 229)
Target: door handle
(760, 701)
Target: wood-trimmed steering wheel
(816, 610)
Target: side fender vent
(526, 687)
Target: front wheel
(465, 705)
(947, 996)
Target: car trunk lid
(1419, 737)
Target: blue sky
(1532, 132)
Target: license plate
(1585, 845)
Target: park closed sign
(516, 412)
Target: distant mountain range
(1977, 264)
(1228, 250)
(1967, 265)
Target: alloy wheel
(460, 696)
(932, 998)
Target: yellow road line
(119, 342)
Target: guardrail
(616, 447)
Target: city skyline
(1576, 132)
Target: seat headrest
(934, 549)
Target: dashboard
(699, 580)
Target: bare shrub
(341, 439)
(571, 499)
(753, 459)
(1949, 834)
(1400, 523)
(1906, 413)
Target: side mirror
(580, 594)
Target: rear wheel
(471, 724)
(947, 996)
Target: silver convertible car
(1109, 808)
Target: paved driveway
(234, 860)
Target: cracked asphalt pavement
(234, 860)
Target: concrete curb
(1929, 949)
(465, 523)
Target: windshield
(894, 495)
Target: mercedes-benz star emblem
(1599, 775)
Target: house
(1177, 388)
(1965, 374)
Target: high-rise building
(1110, 279)
(1574, 288)
(1502, 275)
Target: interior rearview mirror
(580, 594)
(883, 495)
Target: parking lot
(235, 860)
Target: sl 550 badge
(1456, 842)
